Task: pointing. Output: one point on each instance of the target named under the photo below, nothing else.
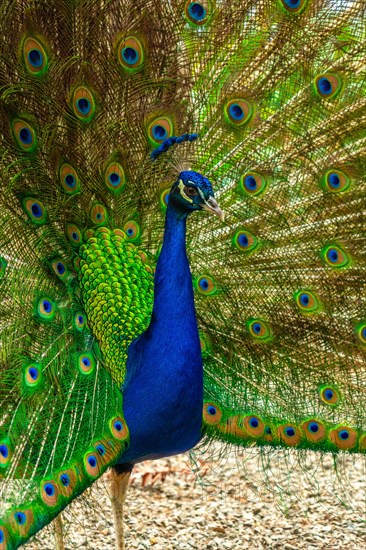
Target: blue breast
(163, 390)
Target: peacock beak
(211, 206)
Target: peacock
(182, 237)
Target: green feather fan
(88, 88)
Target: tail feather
(275, 90)
(283, 310)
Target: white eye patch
(181, 187)
(201, 193)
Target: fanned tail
(275, 90)
(280, 288)
(78, 121)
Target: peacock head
(191, 192)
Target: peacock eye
(190, 191)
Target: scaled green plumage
(117, 292)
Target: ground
(267, 502)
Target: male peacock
(100, 365)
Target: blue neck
(173, 293)
(163, 392)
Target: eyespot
(361, 332)
(20, 518)
(24, 135)
(130, 54)
(206, 285)
(212, 413)
(69, 179)
(60, 269)
(49, 493)
(132, 230)
(335, 256)
(314, 430)
(3, 264)
(239, 112)
(33, 375)
(115, 177)
(335, 181)
(79, 321)
(83, 104)
(35, 210)
(118, 428)
(328, 85)
(74, 234)
(98, 214)
(5, 541)
(106, 450)
(67, 482)
(259, 329)
(252, 184)
(294, 6)
(329, 395)
(268, 433)
(343, 437)
(159, 129)
(92, 463)
(307, 301)
(197, 12)
(289, 434)
(164, 199)
(5, 453)
(34, 56)
(245, 241)
(21, 521)
(46, 309)
(101, 449)
(86, 363)
(253, 426)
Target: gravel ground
(279, 501)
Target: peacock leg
(120, 475)
(59, 537)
